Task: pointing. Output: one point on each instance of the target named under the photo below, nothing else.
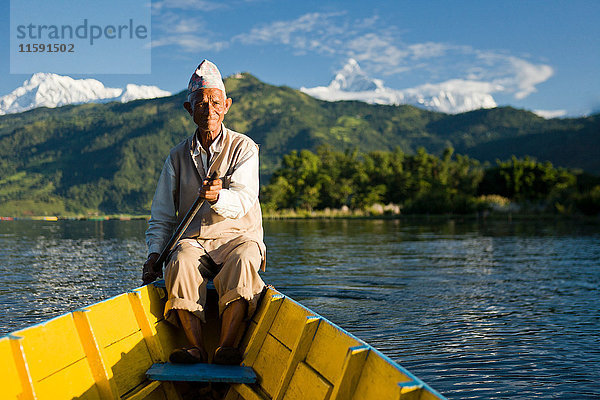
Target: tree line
(423, 183)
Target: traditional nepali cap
(207, 75)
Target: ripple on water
(478, 311)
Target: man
(224, 241)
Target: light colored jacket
(236, 216)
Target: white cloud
(311, 31)
(528, 75)
(185, 26)
(158, 6)
(183, 31)
(377, 52)
(190, 43)
(383, 54)
(380, 49)
(549, 114)
(428, 50)
(461, 86)
(172, 23)
(517, 75)
(452, 96)
(332, 33)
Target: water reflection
(48, 268)
(476, 309)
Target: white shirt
(233, 202)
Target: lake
(477, 309)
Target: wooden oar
(185, 222)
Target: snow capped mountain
(135, 92)
(52, 90)
(453, 96)
(549, 114)
(352, 79)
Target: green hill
(107, 157)
(576, 146)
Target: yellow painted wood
(153, 301)
(157, 394)
(427, 395)
(129, 359)
(148, 329)
(122, 345)
(329, 350)
(170, 337)
(51, 346)
(306, 384)
(269, 364)
(263, 305)
(112, 320)
(232, 395)
(145, 392)
(351, 372)
(105, 385)
(288, 324)
(299, 351)
(379, 379)
(10, 381)
(411, 392)
(73, 381)
(247, 393)
(144, 318)
(259, 334)
(17, 359)
(105, 352)
(56, 359)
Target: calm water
(477, 310)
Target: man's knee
(239, 277)
(247, 254)
(241, 264)
(184, 260)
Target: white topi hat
(207, 75)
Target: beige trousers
(190, 269)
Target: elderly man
(224, 241)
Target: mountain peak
(40, 77)
(46, 89)
(351, 78)
(453, 96)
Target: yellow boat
(118, 349)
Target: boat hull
(103, 352)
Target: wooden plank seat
(201, 373)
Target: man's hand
(148, 273)
(210, 190)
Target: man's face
(208, 108)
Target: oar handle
(185, 222)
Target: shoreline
(329, 215)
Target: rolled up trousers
(190, 268)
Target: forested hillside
(106, 157)
(333, 181)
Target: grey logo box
(80, 37)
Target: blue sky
(538, 55)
